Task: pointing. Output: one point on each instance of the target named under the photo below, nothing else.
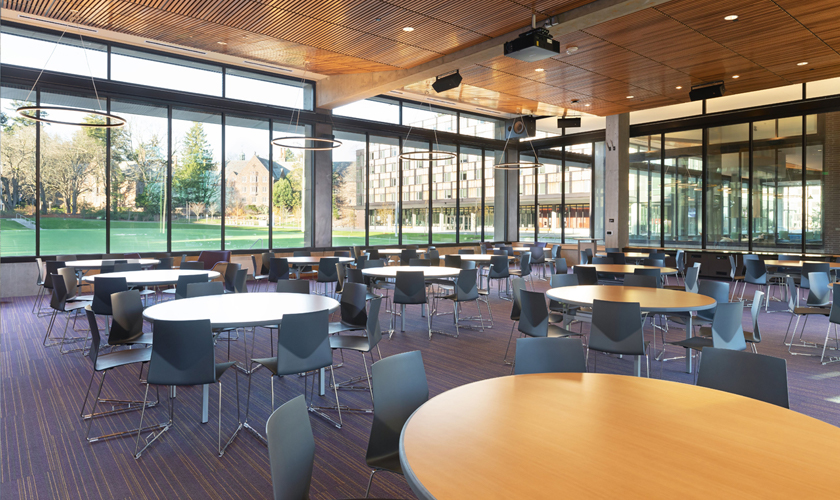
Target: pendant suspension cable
(315, 143)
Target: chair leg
(163, 427)
(370, 481)
(508, 344)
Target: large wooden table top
(799, 263)
(659, 300)
(592, 435)
(627, 268)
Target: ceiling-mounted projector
(707, 90)
(448, 82)
(534, 45)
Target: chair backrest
(341, 253)
(352, 304)
(293, 286)
(516, 285)
(357, 252)
(617, 328)
(165, 263)
(212, 257)
(373, 254)
(278, 269)
(650, 272)
(792, 294)
(812, 267)
(265, 262)
(433, 256)
(399, 387)
(819, 294)
(240, 281)
(326, 270)
(612, 250)
(303, 343)
(586, 275)
(717, 290)
(107, 266)
(834, 313)
(193, 265)
(758, 298)
(560, 266)
(40, 264)
(584, 258)
(788, 257)
(756, 272)
(95, 337)
(642, 280)
(588, 252)
(733, 267)
(355, 276)
(406, 255)
(691, 281)
(533, 321)
(680, 261)
(121, 268)
(204, 289)
(71, 282)
(59, 292)
(500, 251)
(499, 267)
(616, 258)
(466, 251)
(466, 285)
(561, 280)
(452, 260)
(230, 276)
(291, 450)
(549, 355)
(420, 262)
(410, 287)
(102, 289)
(467, 264)
(555, 251)
(525, 264)
(184, 280)
(749, 257)
(657, 255)
(127, 323)
(182, 353)
(341, 275)
(602, 260)
(653, 262)
(727, 330)
(301, 253)
(537, 254)
(483, 247)
(747, 374)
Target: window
(32, 49)
(444, 204)
(415, 212)
(255, 87)
(374, 109)
(349, 190)
(479, 126)
(246, 147)
(384, 227)
(550, 192)
(645, 191)
(17, 158)
(138, 178)
(527, 201)
(422, 116)
(155, 70)
(683, 202)
(727, 187)
(600, 167)
(469, 217)
(291, 208)
(491, 232)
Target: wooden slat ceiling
(646, 54)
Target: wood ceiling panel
(819, 16)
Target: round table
(593, 435)
(652, 300)
(153, 277)
(476, 257)
(627, 268)
(430, 272)
(516, 249)
(97, 263)
(629, 255)
(300, 262)
(398, 251)
(799, 263)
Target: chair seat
(170, 291)
(517, 272)
(556, 331)
(122, 358)
(389, 462)
(674, 287)
(340, 326)
(682, 319)
(81, 298)
(696, 343)
(354, 342)
(222, 367)
(555, 317)
(372, 296)
(72, 306)
(812, 310)
(261, 277)
(146, 338)
(750, 337)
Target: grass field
(87, 236)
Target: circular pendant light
(520, 165)
(316, 143)
(430, 155)
(33, 112)
(518, 127)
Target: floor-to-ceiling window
(600, 170)
(444, 197)
(415, 195)
(683, 201)
(384, 167)
(577, 213)
(249, 171)
(550, 194)
(645, 195)
(349, 179)
(292, 187)
(727, 187)
(19, 189)
(469, 195)
(527, 200)
(491, 158)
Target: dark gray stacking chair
(180, 290)
(291, 450)
(586, 275)
(278, 269)
(406, 255)
(259, 275)
(465, 290)
(194, 265)
(127, 323)
(183, 355)
(752, 338)
(549, 355)
(205, 288)
(617, 329)
(165, 263)
(230, 277)
(538, 258)
(584, 258)
(727, 331)
(559, 266)
(641, 280)
(744, 373)
(656, 273)
(102, 289)
(616, 258)
(362, 344)
(452, 260)
(420, 262)
(293, 286)
(533, 318)
(399, 388)
(59, 303)
(121, 268)
(240, 281)
(341, 253)
(103, 363)
(352, 309)
(466, 251)
(756, 275)
(516, 285)
(524, 270)
(327, 272)
(409, 289)
(833, 319)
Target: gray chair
(303, 346)
(352, 309)
(559, 266)
(406, 255)
(798, 312)
(230, 277)
(657, 255)
(194, 265)
(641, 280)
(751, 337)
(727, 331)
(549, 355)
(362, 344)
(756, 274)
(102, 289)
(655, 273)
(556, 309)
(653, 262)
(533, 318)
(180, 290)
(259, 275)
(734, 276)
(833, 319)
(612, 250)
(717, 290)
(291, 450)
(524, 270)
(433, 256)
(584, 258)
(616, 258)
(420, 262)
(103, 363)
(452, 260)
(183, 355)
(680, 261)
(500, 271)
(817, 304)
(747, 374)
(465, 289)
(812, 267)
(586, 275)
(278, 269)
(59, 303)
(127, 323)
(240, 281)
(399, 388)
(690, 282)
(341, 275)
(293, 286)
(327, 273)
(165, 263)
(602, 260)
(515, 310)
(409, 289)
(341, 253)
(125, 267)
(205, 288)
(466, 251)
(538, 258)
(617, 329)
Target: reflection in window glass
(32, 50)
(727, 187)
(253, 87)
(415, 196)
(599, 195)
(349, 190)
(17, 160)
(196, 180)
(138, 178)
(444, 196)
(683, 189)
(469, 219)
(479, 126)
(527, 201)
(418, 115)
(378, 110)
(645, 195)
(164, 72)
(491, 158)
(384, 167)
(550, 190)
(819, 180)
(290, 215)
(579, 164)
(73, 188)
(247, 181)
(777, 185)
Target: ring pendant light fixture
(432, 155)
(307, 143)
(34, 112)
(518, 165)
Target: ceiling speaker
(707, 91)
(449, 82)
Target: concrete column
(831, 184)
(616, 181)
(320, 191)
(507, 200)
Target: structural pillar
(616, 181)
(320, 224)
(507, 198)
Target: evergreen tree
(195, 178)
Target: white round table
(153, 277)
(398, 251)
(97, 263)
(429, 272)
(476, 257)
(314, 261)
(516, 249)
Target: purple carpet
(43, 452)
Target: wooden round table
(627, 268)
(652, 300)
(799, 263)
(153, 277)
(593, 435)
(97, 263)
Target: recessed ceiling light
(732, 17)
(222, 43)
(587, 105)
(539, 70)
(736, 76)
(378, 19)
(408, 28)
(679, 87)
(630, 96)
(571, 50)
(803, 63)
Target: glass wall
(384, 167)
(138, 178)
(425, 116)
(600, 171)
(578, 189)
(645, 191)
(683, 202)
(527, 201)
(491, 158)
(292, 184)
(550, 192)
(415, 196)
(469, 194)
(349, 174)
(727, 187)
(17, 172)
(249, 171)
(444, 197)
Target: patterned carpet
(43, 452)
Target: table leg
(205, 395)
(689, 330)
(323, 389)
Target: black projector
(535, 45)
(707, 91)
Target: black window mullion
(662, 192)
(270, 244)
(750, 194)
(38, 179)
(108, 180)
(804, 183)
(483, 193)
(458, 192)
(367, 189)
(222, 166)
(398, 214)
(169, 179)
(563, 196)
